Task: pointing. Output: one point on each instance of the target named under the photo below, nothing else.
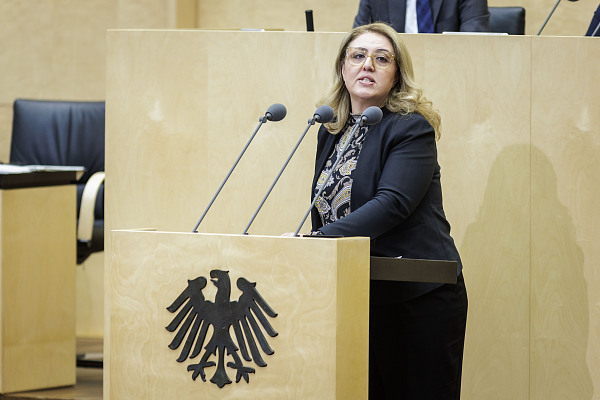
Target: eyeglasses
(358, 56)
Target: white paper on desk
(14, 169)
(24, 169)
(55, 168)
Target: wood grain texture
(211, 126)
(301, 279)
(37, 305)
(484, 158)
(330, 16)
(565, 223)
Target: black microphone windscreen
(324, 114)
(276, 112)
(371, 115)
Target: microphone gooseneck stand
(275, 112)
(323, 115)
(549, 15)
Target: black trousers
(416, 347)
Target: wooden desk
(37, 282)
(89, 381)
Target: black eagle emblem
(196, 315)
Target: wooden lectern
(319, 289)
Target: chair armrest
(85, 226)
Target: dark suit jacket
(448, 15)
(594, 24)
(396, 198)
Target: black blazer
(396, 197)
(448, 15)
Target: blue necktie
(424, 19)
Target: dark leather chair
(67, 133)
(509, 20)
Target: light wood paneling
(37, 287)
(193, 119)
(320, 350)
(485, 173)
(329, 16)
(484, 151)
(565, 225)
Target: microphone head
(276, 112)
(324, 114)
(371, 116)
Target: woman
(387, 187)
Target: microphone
(310, 27)
(549, 15)
(370, 116)
(276, 112)
(323, 115)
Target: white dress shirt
(410, 24)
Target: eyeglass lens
(358, 56)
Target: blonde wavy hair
(405, 96)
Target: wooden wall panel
(484, 154)
(190, 119)
(565, 225)
(329, 16)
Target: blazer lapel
(397, 14)
(436, 5)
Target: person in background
(387, 187)
(594, 29)
(425, 16)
